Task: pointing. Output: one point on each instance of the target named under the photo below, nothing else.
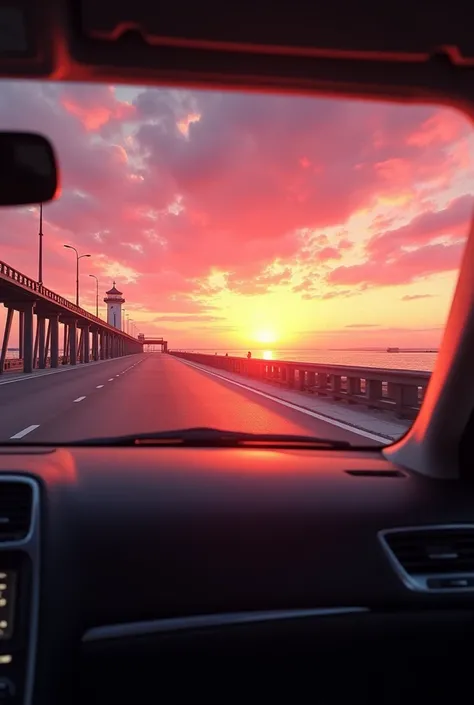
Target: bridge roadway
(141, 393)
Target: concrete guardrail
(399, 391)
(16, 364)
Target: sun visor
(402, 30)
(400, 50)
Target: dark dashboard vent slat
(376, 473)
(16, 501)
(433, 551)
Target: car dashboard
(223, 575)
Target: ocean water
(404, 360)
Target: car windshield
(256, 263)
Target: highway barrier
(398, 391)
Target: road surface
(139, 394)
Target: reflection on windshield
(265, 264)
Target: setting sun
(238, 221)
(266, 336)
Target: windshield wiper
(215, 438)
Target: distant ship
(393, 349)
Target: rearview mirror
(28, 172)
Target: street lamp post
(96, 294)
(40, 254)
(78, 257)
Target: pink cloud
(341, 293)
(416, 297)
(189, 318)
(345, 244)
(328, 253)
(408, 267)
(451, 222)
(260, 284)
(170, 186)
(96, 106)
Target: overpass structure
(85, 337)
(153, 342)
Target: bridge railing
(15, 276)
(400, 391)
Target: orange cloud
(244, 202)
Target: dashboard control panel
(19, 575)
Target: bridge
(121, 389)
(39, 344)
(153, 343)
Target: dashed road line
(78, 399)
(60, 370)
(111, 379)
(99, 386)
(25, 431)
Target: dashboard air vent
(16, 500)
(433, 558)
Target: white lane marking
(65, 368)
(99, 386)
(78, 399)
(26, 430)
(117, 375)
(302, 410)
(111, 379)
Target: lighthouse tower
(114, 300)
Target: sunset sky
(235, 220)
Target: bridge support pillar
(21, 333)
(6, 337)
(102, 345)
(35, 349)
(28, 338)
(54, 336)
(65, 343)
(47, 343)
(41, 339)
(73, 342)
(80, 347)
(85, 344)
(95, 344)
